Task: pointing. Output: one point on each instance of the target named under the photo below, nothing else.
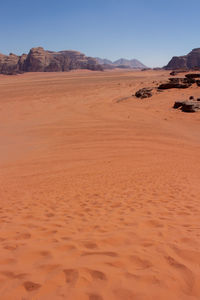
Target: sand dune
(100, 194)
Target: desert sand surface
(99, 193)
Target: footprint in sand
(97, 275)
(186, 273)
(141, 264)
(123, 294)
(109, 253)
(10, 274)
(23, 236)
(31, 286)
(71, 276)
(10, 247)
(90, 245)
(95, 297)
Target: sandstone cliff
(40, 60)
(189, 61)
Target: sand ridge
(99, 190)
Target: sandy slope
(100, 196)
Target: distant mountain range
(189, 61)
(40, 60)
(121, 63)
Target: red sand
(100, 198)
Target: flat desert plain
(99, 193)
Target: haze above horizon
(151, 31)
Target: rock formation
(189, 61)
(144, 93)
(40, 60)
(9, 64)
(103, 61)
(181, 83)
(187, 106)
(178, 83)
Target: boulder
(178, 104)
(187, 106)
(174, 73)
(171, 85)
(182, 80)
(190, 106)
(198, 82)
(178, 83)
(192, 75)
(144, 93)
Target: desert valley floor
(99, 190)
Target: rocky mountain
(103, 61)
(189, 61)
(132, 63)
(40, 60)
(122, 63)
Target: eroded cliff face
(189, 61)
(9, 63)
(40, 60)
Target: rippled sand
(99, 193)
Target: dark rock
(198, 99)
(171, 85)
(187, 106)
(144, 93)
(190, 106)
(192, 75)
(174, 73)
(191, 98)
(178, 104)
(178, 83)
(146, 69)
(198, 82)
(182, 80)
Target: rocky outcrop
(9, 64)
(40, 60)
(174, 73)
(178, 83)
(189, 61)
(181, 83)
(103, 61)
(187, 106)
(192, 75)
(144, 93)
(198, 82)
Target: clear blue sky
(149, 30)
